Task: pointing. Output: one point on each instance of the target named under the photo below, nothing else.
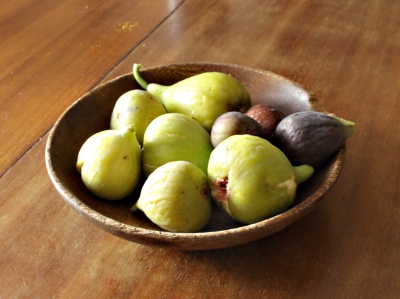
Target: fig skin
(268, 117)
(311, 137)
(251, 179)
(176, 197)
(234, 123)
(203, 97)
(172, 137)
(110, 163)
(136, 107)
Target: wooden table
(346, 52)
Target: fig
(176, 197)
(172, 137)
(311, 137)
(203, 96)
(251, 179)
(234, 123)
(268, 117)
(138, 108)
(110, 163)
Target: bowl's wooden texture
(91, 113)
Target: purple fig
(268, 117)
(311, 137)
(234, 123)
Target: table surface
(345, 52)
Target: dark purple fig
(311, 137)
(234, 123)
(268, 117)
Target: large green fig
(138, 108)
(110, 163)
(204, 96)
(176, 197)
(312, 137)
(172, 137)
(251, 179)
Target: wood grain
(53, 52)
(346, 52)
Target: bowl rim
(127, 231)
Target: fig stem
(302, 173)
(348, 128)
(134, 208)
(348, 122)
(137, 76)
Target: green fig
(110, 163)
(311, 137)
(172, 137)
(138, 108)
(251, 179)
(176, 197)
(204, 96)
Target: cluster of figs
(201, 141)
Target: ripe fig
(138, 108)
(204, 96)
(109, 163)
(251, 179)
(268, 117)
(176, 197)
(172, 137)
(311, 137)
(234, 123)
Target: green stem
(137, 76)
(348, 128)
(348, 122)
(302, 173)
(134, 208)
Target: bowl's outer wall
(91, 114)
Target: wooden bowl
(91, 113)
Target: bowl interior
(91, 114)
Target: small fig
(268, 117)
(311, 137)
(251, 179)
(176, 197)
(138, 108)
(234, 123)
(110, 163)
